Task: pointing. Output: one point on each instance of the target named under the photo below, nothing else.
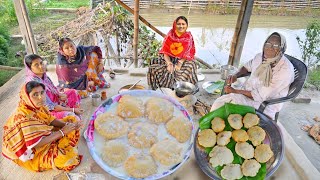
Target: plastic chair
(300, 75)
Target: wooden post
(25, 27)
(136, 33)
(240, 32)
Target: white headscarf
(264, 71)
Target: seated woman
(80, 67)
(271, 76)
(60, 104)
(29, 138)
(175, 62)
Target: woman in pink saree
(61, 102)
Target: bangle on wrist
(61, 132)
(73, 110)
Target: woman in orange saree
(35, 140)
(176, 58)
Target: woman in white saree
(271, 76)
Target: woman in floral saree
(175, 62)
(80, 67)
(60, 103)
(29, 138)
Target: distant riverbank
(220, 10)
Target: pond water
(213, 33)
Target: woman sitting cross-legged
(60, 104)
(80, 67)
(176, 59)
(36, 140)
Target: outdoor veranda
(295, 164)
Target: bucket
(96, 99)
(227, 70)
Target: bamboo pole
(158, 31)
(240, 32)
(25, 27)
(136, 33)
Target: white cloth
(282, 77)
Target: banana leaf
(223, 112)
(218, 85)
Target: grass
(15, 47)
(314, 78)
(66, 3)
(6, 75)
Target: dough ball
(235, 121)
(143, 135)
(180, 128)
(130, 107)
(159, 110)
(218, 124)
(207, 138)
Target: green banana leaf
(223, 112)
(214, 86)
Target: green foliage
(66, 3)
(5, 75)
(310, 47)
(8, 14)
(4, 44)
(148, 46)
(314, 78)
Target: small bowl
(183, 88)
(126, 88)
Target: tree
(310, 47)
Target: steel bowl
(273, 137)
(135, 87)
(183, 88)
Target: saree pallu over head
(72, 72)
(181, 47)
(264, 71)
(54, 92)
(25, 129)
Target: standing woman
(80, 67)
(176, 58)
(60, 104)
(36, 140)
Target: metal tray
(90, 133)
(274, 138)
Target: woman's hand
(170, 67)
(100, 68)
(229, 89)
(62, 96)
(179, 65)
(68, 127)
(90, 83)
(231, 79)
(78, 111)
(79, 124)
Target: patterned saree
(26, 128)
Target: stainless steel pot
(227, 70)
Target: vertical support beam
(25, 27)
(136, 33)
(240, 32)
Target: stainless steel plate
(205, 86)
(273, 137)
